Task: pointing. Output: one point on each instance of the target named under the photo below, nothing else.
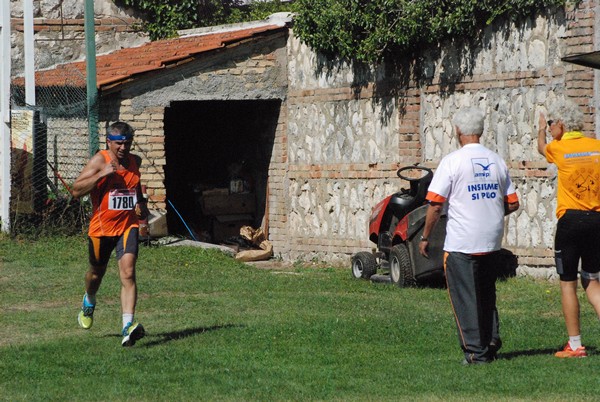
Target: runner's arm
(95, 170)
(510, 207)
(434, 211)
(541, 140)
(141, 208)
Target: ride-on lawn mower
(395, 226)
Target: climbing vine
(164, 17)
(364, 30)
(372, 30)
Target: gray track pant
(471, 281)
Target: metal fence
(49, 147)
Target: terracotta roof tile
(124, 64)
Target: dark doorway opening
(217, 166)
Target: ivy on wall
(363, 30)
(164, 17)
(373, 30)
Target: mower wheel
(364, 265)
(401, 272)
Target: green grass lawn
(221, 330)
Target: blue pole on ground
(182, 220)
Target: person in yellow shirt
(577, 237)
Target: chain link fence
(49, 147)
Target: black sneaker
(493, 348)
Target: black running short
(577, 238)
(100, 248)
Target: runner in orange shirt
(112, 178)
(577, 238)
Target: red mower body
(395, 227)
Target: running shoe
(568, 352)
(132, 333)
(86, 315)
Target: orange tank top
(113, 201)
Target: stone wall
(345, 144)
(344, 147)
(515, 75)
(59, 31)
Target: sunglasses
(550, 122)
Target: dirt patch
(272, 264)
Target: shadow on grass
(536, 352)
(184, 333)
(165, 337)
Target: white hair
(469, 121)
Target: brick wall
(149, 141)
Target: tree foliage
(364, 30)
(372, 30)
(165, 17)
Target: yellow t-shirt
(578, 161)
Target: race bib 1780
(122, 200)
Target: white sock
(127, 318)
(575, 342)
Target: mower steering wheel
(414, 179)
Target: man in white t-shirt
(474, 183)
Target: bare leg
(570, 306)
(93, 278)
(592, 290)
(128, 285)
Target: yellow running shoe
(132, 333)
(85, 318)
